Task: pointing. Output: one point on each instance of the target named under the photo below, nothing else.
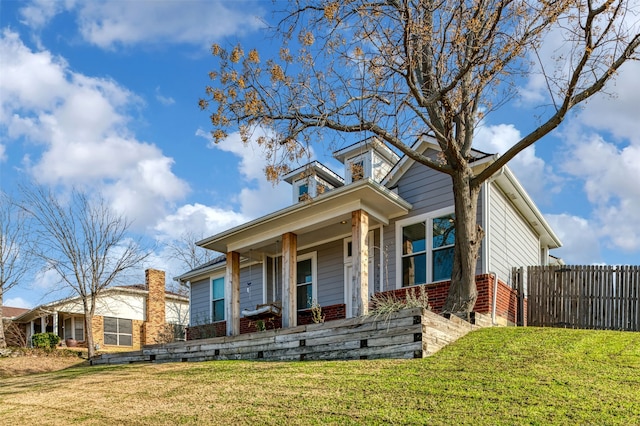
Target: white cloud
(39, 12)
(616, 109)
(580, 239)
(17, 302)
(610, 175)
(260, 196)
(537, 177)
(164, 100)
(3, 154)
(80, 124)
(108, 24)
(200, 220)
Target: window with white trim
(118, 331)
(358, 167)
(217, 299)
(306, 281)
(426, 248)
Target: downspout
(495, 298)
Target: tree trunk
(463, 292)
(88, 320)
(3, 341)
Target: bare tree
(84, 242)
(15, 259)
(405, 69)
(188, 254)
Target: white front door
(349, 278)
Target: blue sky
(104, 96)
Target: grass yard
(490, 377)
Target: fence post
(518, 276)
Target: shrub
(384, 304)
(47, 341)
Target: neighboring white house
(125, 316)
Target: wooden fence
(591, 297)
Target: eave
(312, 220)
(510, 185)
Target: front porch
(497, 304)
(317, 251)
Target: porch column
(55, 323)
(232, 293)
(32, 331)
(289, 272)
(43, 324)
(360, 253)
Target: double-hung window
(426, 247)
(118, 331)
(217, 299)
(306, 285)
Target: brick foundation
(205, 331)
(506, 303)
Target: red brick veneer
(506, 305)
(204, 331)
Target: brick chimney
(155, 318)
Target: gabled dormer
(369, 158)
(311, 180)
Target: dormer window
(301, 190)
(356, 168)
(368, 159)
(312, 180)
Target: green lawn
(492, 376)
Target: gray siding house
(385, 227)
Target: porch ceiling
(323, 218)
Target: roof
(314, 168)
(11, 312)
(507, 181)
(359, 147)
(139, 289)
(310, 220)
(478, 158)
(202, 269)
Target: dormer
(311, 180)
(369, 158)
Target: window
(217, 300)
(426, 248)
(74, 328)
(414, 254)
(306, 281)
(118, 331)
(303, 191)
(358, 167)
(68, 329)
(78, 329)
(443, 238)
(357, 170)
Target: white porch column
(55, 323)
(43, 324)
(32, 331)
(289, 272)
(232, 293)
(360, 253)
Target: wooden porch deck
(410, 333)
